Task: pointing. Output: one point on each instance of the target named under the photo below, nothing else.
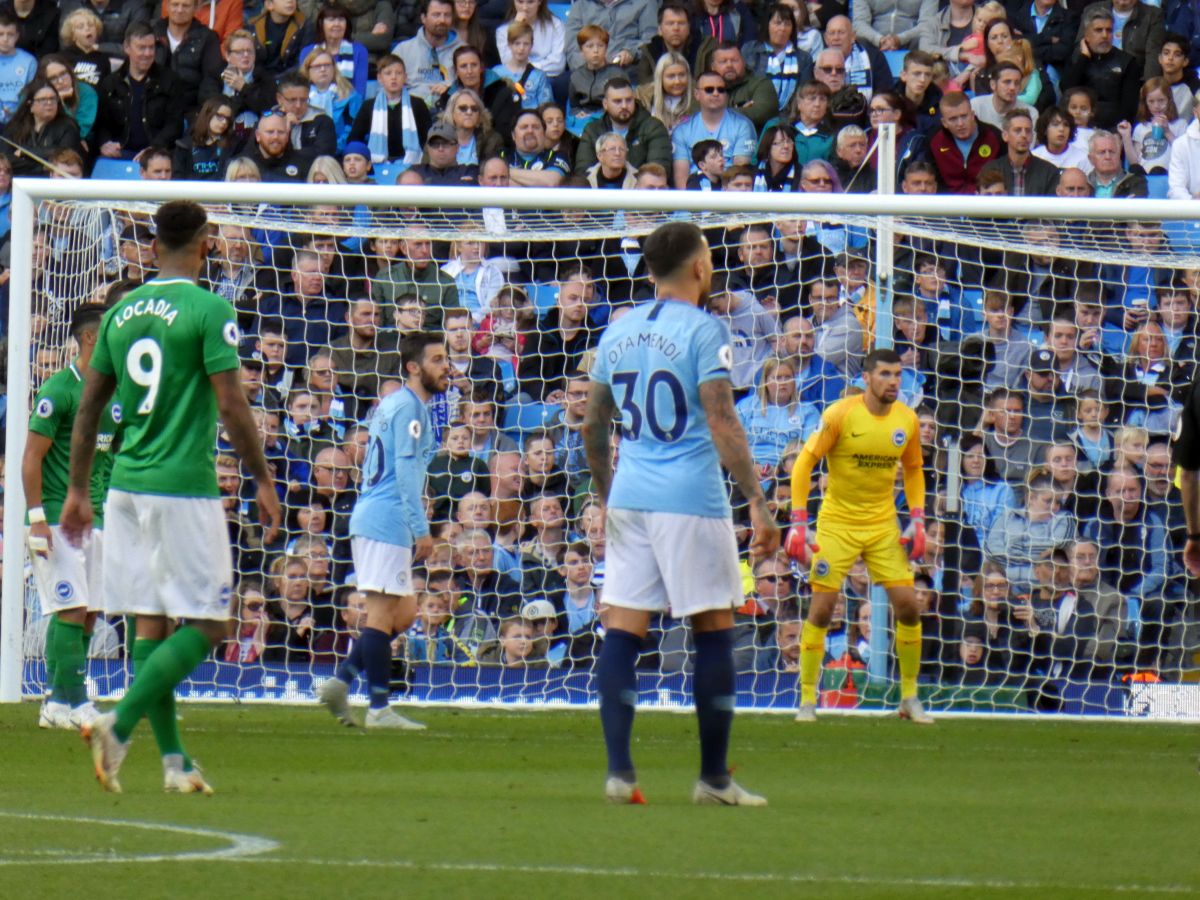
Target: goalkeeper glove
(914, 535)
(800, 545)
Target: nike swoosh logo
(855, 434)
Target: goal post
(960, 229)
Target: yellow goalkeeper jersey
(863, 451)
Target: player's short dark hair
(880, 355)
(179, 224)
(412, 347)
(86, 317)
(669, 247)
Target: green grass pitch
(497, 804)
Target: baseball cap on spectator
(139, 234)
(249, 353)
(538, 609)
(357, 148)
(442, 131)
(1041, 360)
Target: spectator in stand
(487, 595)
(415, 273)
(893, 24)
(985, 497)
(477, 141)
(549, 35)
(113, 19)
(39, 127)
(850, 161)
(530, 163)
(646, 137)
(279, 32)
(562, 336)
(628, 23)
(331, 33)
(1005, 81)
(1108, 178)
(79, 100)
(750, 94)
(191, 52)
(675, 35)
(867, 68)
(139, 105)
(753, 327)
(586, 91)
(1111, 73)
(246, 83)
(818, 382)
(499, 95)
(441, 151)
(273, 154)
(669, 95)
(725, 20)
(17, 68)
(1018, 538)
(332, 93)
(1145, 388)
(1138, 30)
(1024, 174)
(429, 55)
(1179, 76)
(395, 124)
(154, 164)
(963, 145)
(1147, 141)
(310, 318)
(918, 89)
(777, 167)
(611, 171)
(814, 137)
(1055, 132)
(1004, 427)
(1049, 28)
(203, 154)
(777, 57)
(38, 21)
(365, 355)
(311, 131)
(774, 415)
(947, 35)
(1183, 171)
(714, 121)
(528, 80)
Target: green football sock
(51, 656)
(162, 713)
(167, 665)
(70, 665)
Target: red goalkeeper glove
(914, 535)
(800, 545)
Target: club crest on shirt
(64, 590)
(116, 413)
(414, 429)
(725, 356)
(230, 333)
(821, 568)
(45, 408)
(899, 437)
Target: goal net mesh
(1046, 359)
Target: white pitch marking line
(744, 877)
(241, 846)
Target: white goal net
(1045, 349)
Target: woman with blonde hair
(774, 415)
(331, 92)
(326, 170)
(79, 42)
(1145, 386)
(472, 123)
(669, 97)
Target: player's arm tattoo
(239, 423)
(597, 437)
(730, 439)
(97, 388)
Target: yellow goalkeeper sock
(908, 652)
(812, 650)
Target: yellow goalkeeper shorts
(841, 545)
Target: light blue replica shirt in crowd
(391, 506)
(654, 360)
(736, 134)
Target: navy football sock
(377, 659)
(616, 682)
(352, 665)
(714, 687)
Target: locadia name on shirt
(648, 339)
(161, 308)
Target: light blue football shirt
(654, 360)
(391, 506)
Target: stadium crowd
(1051, 383)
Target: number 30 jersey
(161, 343)
(654, 359)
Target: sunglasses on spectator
(462, 107)
(714, 89)
(829, 70)
(818, 180)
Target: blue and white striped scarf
(377, 140)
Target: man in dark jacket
(564, 333)
(38, 26)
(273, 153)
(960, 125)
(195, 61)
(1051, 34)
(115, 18)
(310, 129)
(1113, 74)
(138, 102)
(646, 137)
(750, 94)
(674, 34)
(1142, 35)
(1025, 175)
(441, 151)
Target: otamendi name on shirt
(649, 339)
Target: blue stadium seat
(116, 169)
(895, 60)
(1158, 186)
(559, 10)
(521, 418)
(544, 296)
(372, 90)
(1184, 237)
(387, 173)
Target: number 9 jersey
(654, 359)
(161, 343)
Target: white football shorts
(166, 556)
(70, 577)
(660, 561)
(382, 568)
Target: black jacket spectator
(1115, 77)
(1041, 177)
(1141, 38)
(161, 119)
(291, 165)
(39, 30)
(196, 64)
(361, 129)
(115, 17)
(548, 358)
(1053, 45)
(61, 134)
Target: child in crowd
(1147, 141)
(587, 84)
(478, 279)
(430, 640)
(709, 157)
(1091, 439)
(1129, 449)
(1080, 102)
(527, 79)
